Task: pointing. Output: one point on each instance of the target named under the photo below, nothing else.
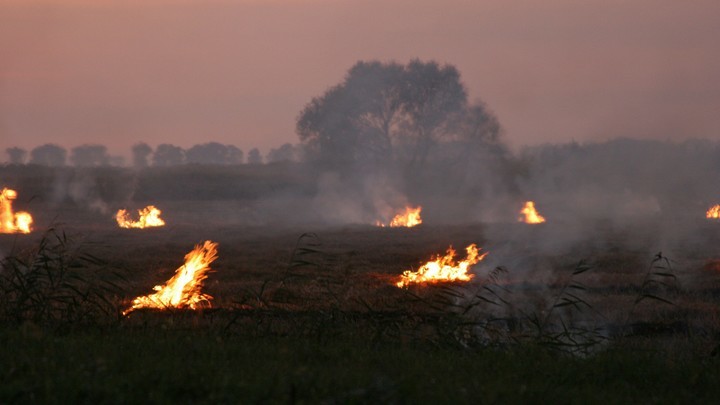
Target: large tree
(285, 153)
(433, 99)
(48, 155)
(254, 157)
(89, 155)
(17, 155)
(168, 155)
(140, 154)
(380, 106)
(213, 153)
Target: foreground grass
(194, 366)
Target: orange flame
(713, 212)
(530, 214)
(12, 222)
(149, 217)
(183, 289)
(443, 268)
(409, 218)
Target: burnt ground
(633, 283)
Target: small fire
(530, 214)
(12, 222)
(714, 212)
(149, 217)
(443, 268)
(183, 289)
(409, 218)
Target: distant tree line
(413, 116)
(143, 155)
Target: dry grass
(299, 279)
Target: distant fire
(529, 214)
(149, 217)
(12, 222)
(443, 268)
(409, 218)
(714, 212)
(183, 289)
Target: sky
(117, 72)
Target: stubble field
(304, 313)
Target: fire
(409, 218)
(12, 222)
(149, 217)
(183, 289)
(443, 268)
(530, 214)
(714, 212)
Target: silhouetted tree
(354, 120)
(140, 154)
(89, 156)
(213, 153)
(433, 99)
(286, 152)
(168, 155)
(480, 125)
(234, 155)
(116, 160)
(381, 104)
(254, 157)
(48, 155)
(16, 155)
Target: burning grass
(296, 311)
(443, 268)
(148, 217)
(11, 222)
(408, 218)
(529, 214)
(713, 212)
(183, 290)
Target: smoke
(363, 199)
(93, 189)
(651, 187)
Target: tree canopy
(385, 111)
(48, 155)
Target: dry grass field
(626, 289)
(314, 310)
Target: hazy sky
(181, 71)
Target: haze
(239, 72)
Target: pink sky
(185, 72)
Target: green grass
(195, 366)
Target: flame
(714, 212)
(443, 268)
(12, 222)
(183, 289)
(149, 217)
(530, 214)
(409, 218)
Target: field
(305, 312)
